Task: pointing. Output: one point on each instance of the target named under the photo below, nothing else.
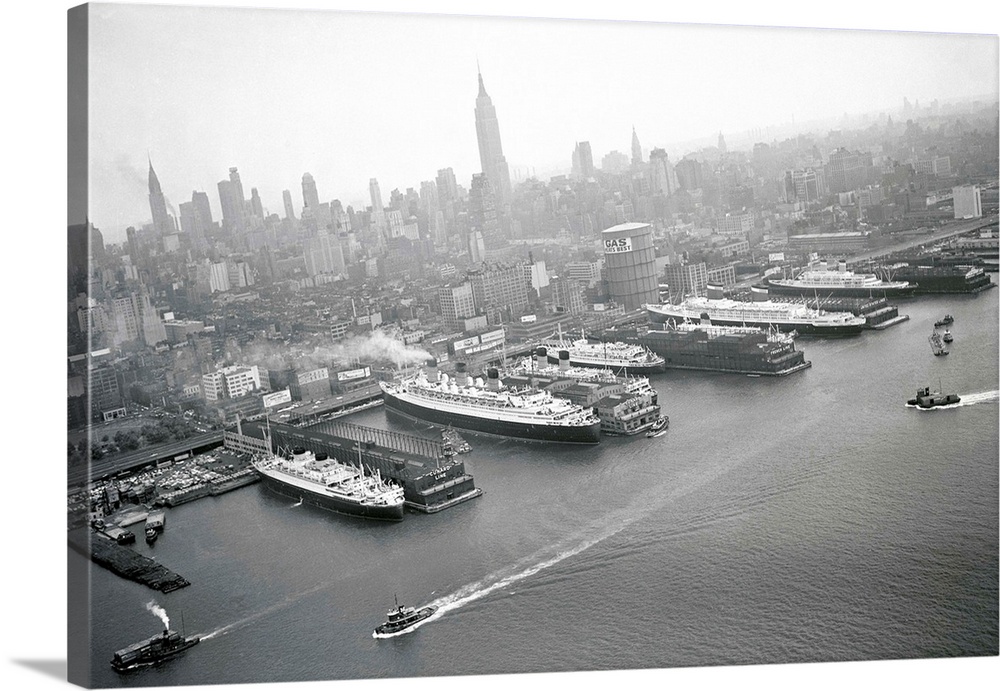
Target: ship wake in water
(967, 400)
(540, 560)
(249, 619)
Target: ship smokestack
(541, 357)
(822, 265)
(563, 360)
(461, 375)
(714, 291)
(758, 294)
(842, 266)
(431, 367)
(493, 379)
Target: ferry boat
(490, 408)
(402, 620)
(760, 312)
(937, 344)
(926, 398)
(839, 282)
(152, 650)
(329, 484)
(623, 358)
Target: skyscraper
(310, 197)
(636, 148)
(583, 160)
(483, 207)
(162, 222)
(234, 206)
(376, 195)
(490, 150)
(256, 207)
(286, 197)
(447, 185)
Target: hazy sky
(349, 96)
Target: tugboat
(948, 319)
(151, 535)
(152, 650)
(658, 428)
(926, 398)
(947, 337)
(402, 620)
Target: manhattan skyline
(200, 94)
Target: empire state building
(490, 151)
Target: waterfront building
(736, 224)
(967, 201)
(686, 279)
(491, 157)
(844, 171)
(630, 264)
(230, 382)
(457, 304)
(500, 291)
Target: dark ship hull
(564, 434)
(334, 503)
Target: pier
(431, 477)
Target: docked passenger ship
(620, 358)
(838, 283)
(760, 312)
(329, 484)
(490, 408)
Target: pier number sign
(617, 245)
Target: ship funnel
(714, 291)
(493, 379)
(842, 266)
(563, 360)
(461, 376)
(541, 357)
(822, 265)
(758, 294)
(431, 368)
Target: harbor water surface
(806, 518)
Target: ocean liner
(623, 358)
(329, 484)
(541, 365)
(763, 313)
(490, 408)
(838, 283)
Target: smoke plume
(160, 612)
(375, 347)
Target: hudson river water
(806, 518)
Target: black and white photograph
(426, 344)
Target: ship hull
(617, 368)
(802, 327)
(589, 434)
(333, 503)
(840, 291)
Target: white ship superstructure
(490, 407)
(332, 485)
